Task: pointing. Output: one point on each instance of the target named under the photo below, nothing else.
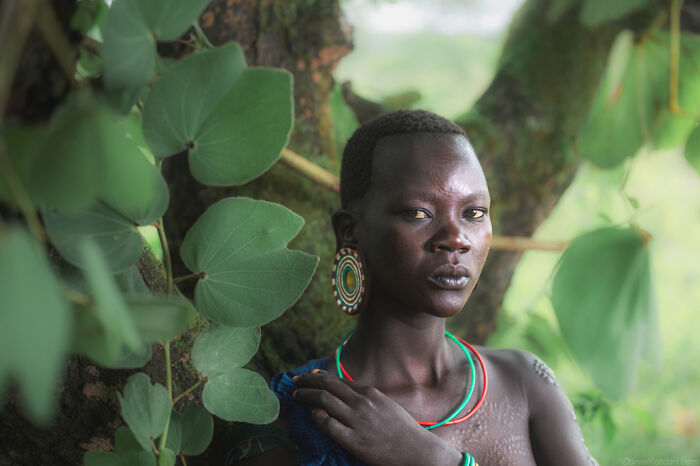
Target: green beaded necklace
(342, 373)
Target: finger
(323, 381)
(324, 400)
(332, 427)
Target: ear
(344, 223)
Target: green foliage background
(660, 419)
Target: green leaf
(603, 300)
(597, 12)
(174, 439)
(128, 452)
(181, 99)
(672, 130)
(240, 395)
(250, 277)
(234, 126)
(220, 348)
(145, 408)
(166, 457)
(131, 32)
(632, 104)
(35, 324)
(90, 339)
(616, 125)
(692, 149)
(117, 237)
(159, 319)
(559, 7)
(110, 309)
(190, 433)
(232, 393)
(197, 430)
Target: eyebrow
(480, 195)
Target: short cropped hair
(356, 168)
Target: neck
(391, 350)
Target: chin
(448, 306)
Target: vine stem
(166, 255)
(201, 35)
(189, 390)
(675, 53)
(182, 458)
(190, 276)
(169, 386)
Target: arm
(369, 424)
(554, 433)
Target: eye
(415, 214)
(475, 214)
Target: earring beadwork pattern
(348, 280)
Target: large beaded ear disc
(349, 280)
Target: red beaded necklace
(427, 423)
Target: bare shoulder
(555, 436)
(520, 368)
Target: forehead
(425, 163)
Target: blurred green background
(447, 51)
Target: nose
(451, 237)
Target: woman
(413, 234)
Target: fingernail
(316, 371)
(295, 378)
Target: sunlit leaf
(145, 408)
(692, 149)
(35, 323)
(250, 277)
(232, 393)
(632, 106)
(233, 121)
(131, 32)
(603, 300)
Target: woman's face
(424, 223)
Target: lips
(450, 277)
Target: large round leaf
(240, 395)
(233, 393)
(182, 98)
(131, 32)
(603, 300)
(234, 127)
(191, 433)
(145, 408)
(220, 348)
(250, 278)
(115, 235)
(35, 323)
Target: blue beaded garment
(314, 446)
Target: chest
(496, 434)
